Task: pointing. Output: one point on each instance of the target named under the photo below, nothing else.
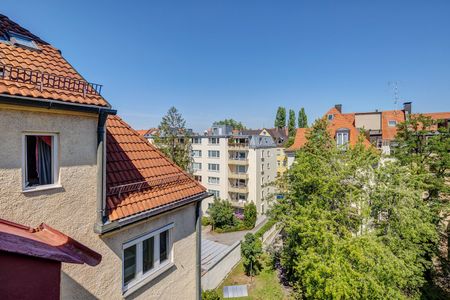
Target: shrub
(221, 213)
(206, 221)
(210, 295)
(264, 228)
(250, 215)
(251, 251)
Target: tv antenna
(394, 86)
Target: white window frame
(340, 134)
(158, 267)
(211, 170)
(215, 181)
(213, 139)
(55, 162)
(199, 152)
(392, 121)
(197, 169)
(213, 151)
(216, 193)
(196, 140)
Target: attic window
(392, 123)
(21, 40)
(330, 117)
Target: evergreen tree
(251, 250)
(302, 119)
(231, 122)
(291, 123)
(280, 119)
(174, 139)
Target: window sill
(147, 278)
(41, 188)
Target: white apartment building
(237, 168)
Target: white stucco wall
(71, 209)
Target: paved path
(229, 238)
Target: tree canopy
(280, 119)
(302, 119)
(174, 139)
(291, 123)
(231, 122)
(356, 226)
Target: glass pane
(147, 254)
(129, 264)
(163, 246)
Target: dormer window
(392, 123)
(330, 117)
(342, 137)
(21, 40)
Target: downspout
(198, 261)
(101, 168)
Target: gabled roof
(389, 132)
(151, 131)
(25, 69)
(299, 140)
(44, 242)
(139, 177)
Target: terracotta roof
(438, 115)
(389, 132)
(44, 242)
(142, 131)
(152, 179)
(24, 68)
(299, 140)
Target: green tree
(302, 119)
(355, 228)
(210, 295)
(280, 119)
(174, 139)
(221, 213)
(251, 250)
(291, 123)
(250, 215)
(231, 122)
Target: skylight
(24, 41)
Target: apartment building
(66, 159)
(235, 167)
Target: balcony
(238, 203)
(238, 161)
(234, 188)
(235, 175)
(237, 146)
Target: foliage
(174, 140)
(269, 224)
(221, 213)
(291, 123)
(206, 221)
(302, 119)
(354, 227)
(250, 215)
(251, 250)
(231, 122)
(211, 295)
(280, 119)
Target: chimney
(407, 107)
(338, 107)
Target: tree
(302, 119)
(250, 215)
(211, 295)
(231, 122)
(354, 227)
(221, 213)
(251, 249)
(280, 119)
(291, 123)
(174, 140)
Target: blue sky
(242, 59)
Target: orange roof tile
(132, 160)
(389, 132)
(40, 64)
(299, 140)
(438, 115)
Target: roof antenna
(394, 86)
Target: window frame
(213, 139)
(211, 181)
(210, 165)
(55, 162)
(198, 164)
(342, 132)
(198, 151)
(394, 121)
(142, 278)
(213, 151)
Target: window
(198, 178)
(330, 117)
(242, 197)
(392, 123)
(213, 153)
(196, 140)
(40, 161)
(21, 40)
(342, 137)
(216, 193)
(213, 167)
(213, 180)
(196, 166)
(241, 169)
(146, 257)
(213, 140)
(196, 153)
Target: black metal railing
(48, 80)
(145, 184)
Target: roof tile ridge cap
(160, 153)
(17, 225)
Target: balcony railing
(47, 80)
(235, 175)
(238, 145)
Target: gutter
(198, 250)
